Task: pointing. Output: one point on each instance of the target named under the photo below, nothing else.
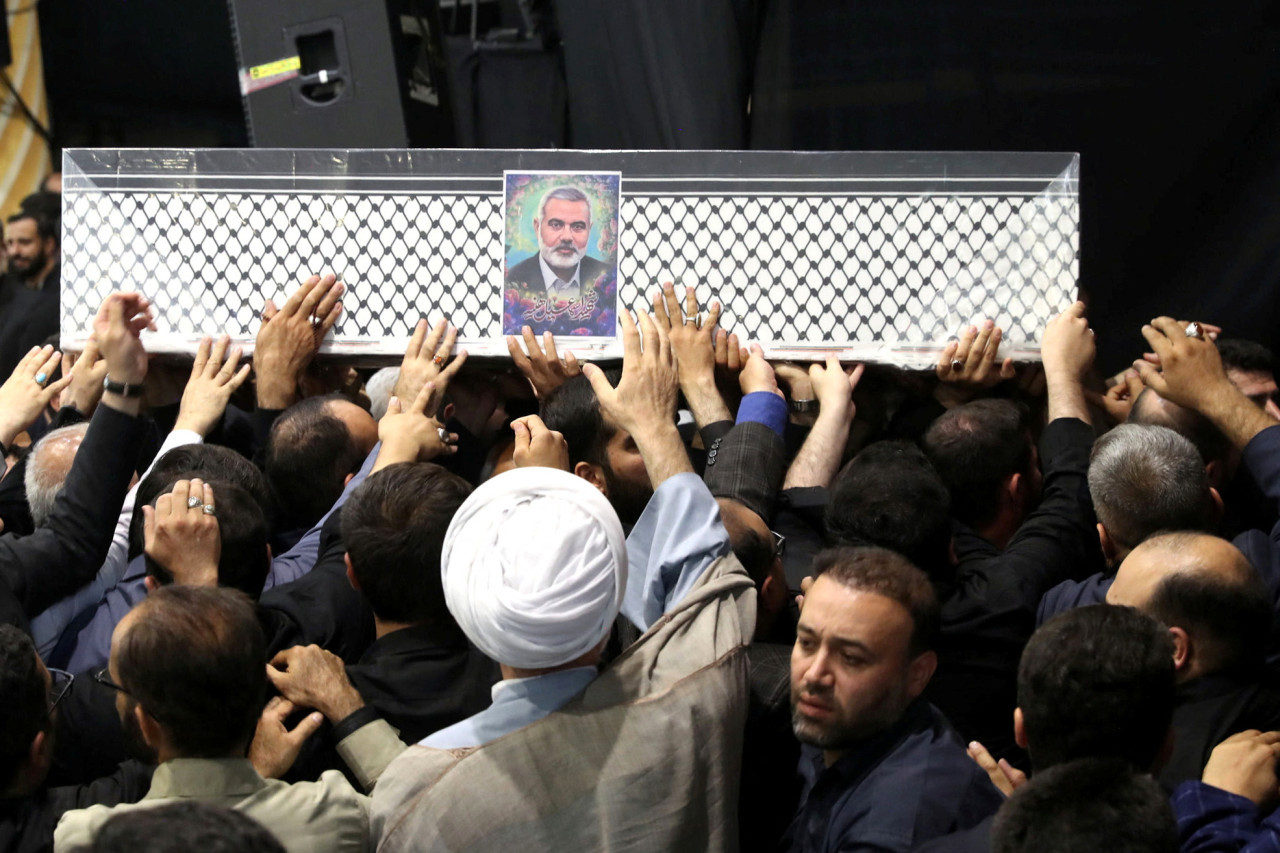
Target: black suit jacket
(529, 273)
(39, 570)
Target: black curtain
(657, 73)
(1174, 108)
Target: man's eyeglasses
(103, 677)
(59, 683)
(779, 544)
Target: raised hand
(290, 337)
(1067, 350)
(542, 366)
(213, 381)
(538, 447)
(425, 361)
(1002, 774)
(409, 434)
(644, 403)
(87, 372)
(118, 328)
(181, 533)
(972, 364)
(833, 386)
(28, 390)
(693, 342)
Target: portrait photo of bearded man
(561, 288)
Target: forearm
(819, 458)
(1235, 415)
(1066, 397)
(705, 402)
(663, 452)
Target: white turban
(534, 567)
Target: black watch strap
(124, 389)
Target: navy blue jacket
(908, 785)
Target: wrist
(342, 705)
(122, 404)
(274, 394)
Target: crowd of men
(697, 602)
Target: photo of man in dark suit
(560, 288)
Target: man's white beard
(556, 261)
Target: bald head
(1203, 587)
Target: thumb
(393, 406)
(596, 377)
(310, 725)
(1134, 381)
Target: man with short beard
(560, 281)
(882, 769)
(30, 315)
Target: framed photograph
(560, 253)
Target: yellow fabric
(24, 157)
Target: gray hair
(564, 193)
(47, 469)
(379, 387)
(1146, 479)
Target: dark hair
(1189, 423)
(209, 462)
(309, 455)
(1144, 479)
(393, 526)
(244, 561)
(890, 496)
(194, 659)
(1097, 682)
(883, 572)
(46, 224)
(187, 826)
(1243, 355)
(975, 448)
(1228, 618)
(1091, 804)
(24, 700)
(573, 410)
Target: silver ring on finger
(1193, 330)
(209, 510)
(193, 502)
(443, 433)
(957, 365)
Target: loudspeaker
(339, 74)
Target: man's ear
(348, 480)
(40, 756)
(773, 590)
(951, 552)
(919, 672)
(1182, 649)
(1109, 549)
(152, 584)
(1218, 509)
(351, 573)
(152, 734)
(593, 474)
(1019, 729)
(1215, 472)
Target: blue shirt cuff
(764, 407)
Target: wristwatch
(124, 389)
(802, 407)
